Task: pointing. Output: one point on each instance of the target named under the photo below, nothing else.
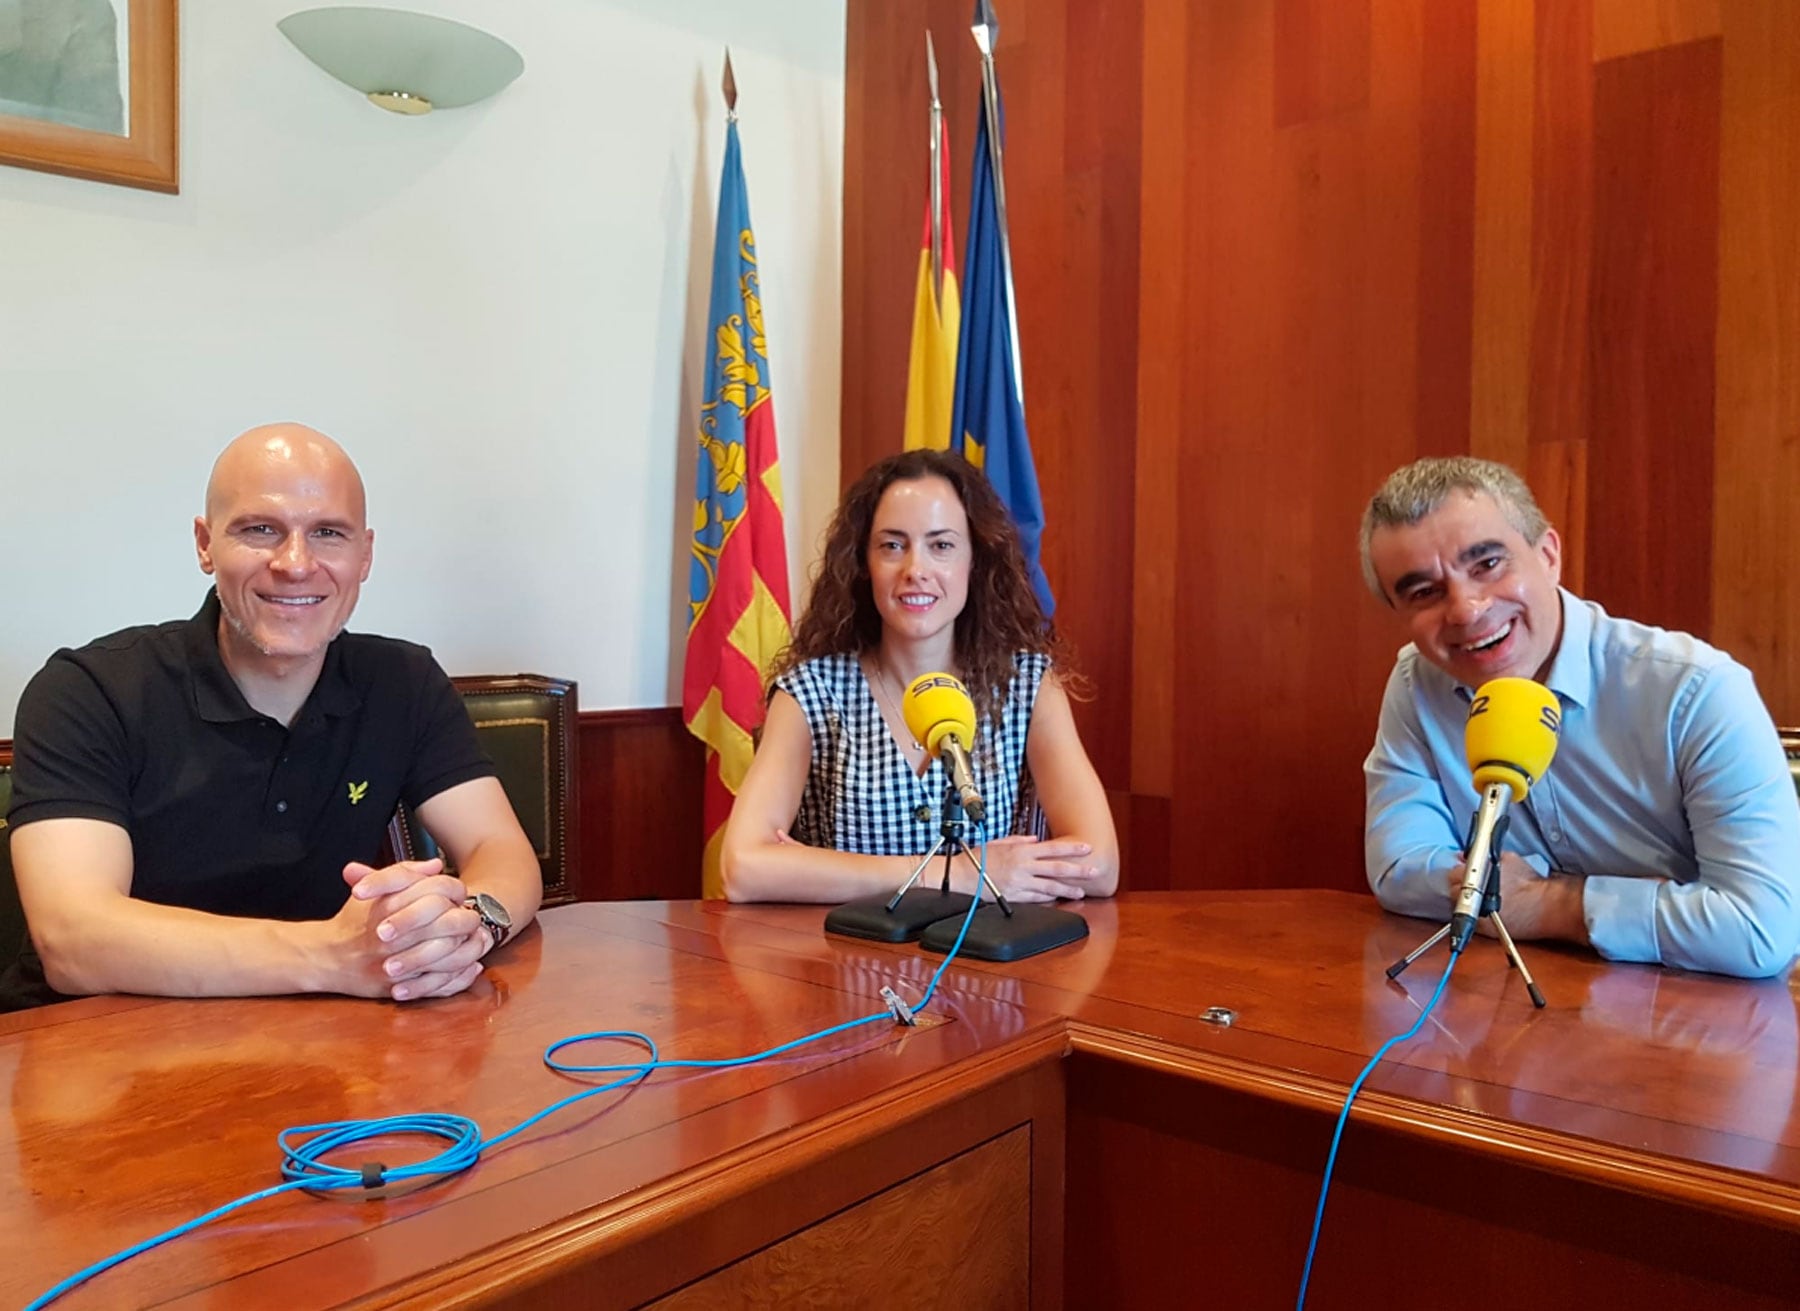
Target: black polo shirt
(228, 810)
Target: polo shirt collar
(217, 698)
(1571, 673)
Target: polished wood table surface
(1067, 1130)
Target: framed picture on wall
(89, 88)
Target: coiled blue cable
(304, 1147)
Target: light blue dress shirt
(1669, 792)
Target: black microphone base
(870, 919)
(993, 936)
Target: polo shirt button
(922, 813)
(281, 807)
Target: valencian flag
(988, 420)
(737, 580)
(937, 313)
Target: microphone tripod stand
(1489, 910)
(906, 914)
(950, 841)
(935, 916)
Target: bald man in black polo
(196, 805)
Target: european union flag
(987, 421)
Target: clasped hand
(405, 933)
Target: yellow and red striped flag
(937, 318)
(738, 611)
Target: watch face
(491, 907)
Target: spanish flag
(937, 316)
(738, 608)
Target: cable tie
(901, 1012)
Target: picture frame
(145, 149)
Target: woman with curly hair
(922, 572)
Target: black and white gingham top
(861, 793)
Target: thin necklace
(881, 684)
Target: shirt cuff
(1620, 913)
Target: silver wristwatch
(493, 916)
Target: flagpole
(728, 85)
(987, 30)
(937, 179)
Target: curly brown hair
(1001, 617)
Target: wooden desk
(1065, 1130)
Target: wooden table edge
(1684, 1182)
(481, 1274)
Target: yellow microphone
(1509, 741)
(1511, 733)
(940, 715)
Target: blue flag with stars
(987, 420)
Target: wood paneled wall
(1269, 250)
(639, 793)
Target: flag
(988, 418)
(738, 608)
(931, 374)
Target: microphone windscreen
(1511, 734)
(935, 706)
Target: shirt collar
(216, 696)
(1571, 673)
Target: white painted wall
(499, 310)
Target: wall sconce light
(404, 62)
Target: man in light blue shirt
(1665, 830)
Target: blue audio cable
(305, 1147)
(1312, 1245)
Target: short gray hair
(1420, 488)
